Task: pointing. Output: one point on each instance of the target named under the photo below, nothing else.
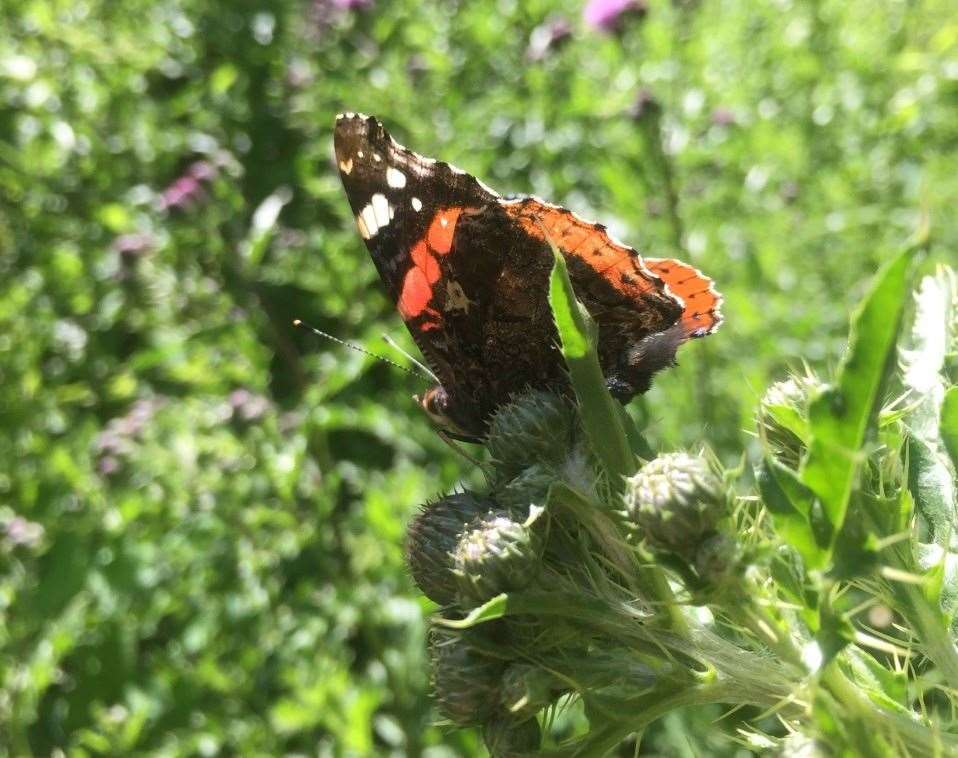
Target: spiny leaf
(949, 424)
(492, 609)
(842, 416)
(791, 503)
(600, 417)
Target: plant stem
(928, 623)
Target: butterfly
(469, 270)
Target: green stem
(657, 582)
(862, 716)
(928, 623)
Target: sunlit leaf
(949, 424)
(841, 416)
(577, 335)
(791, 505)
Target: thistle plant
(817, 586)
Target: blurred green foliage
(202, 508)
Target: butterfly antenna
(351, 346)
(395, 346)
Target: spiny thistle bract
(535, 428)
(432, 538)
(782, 417)
(527, 689)
(465, 679)
(674, 502)
(507, 738)
(495, 554)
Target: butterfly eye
(435, 403)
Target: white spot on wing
(395, 178)
(346, 166)
(380, 206)
(368, 216)
(416, 204)
(363, 230)
(376, 157)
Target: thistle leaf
(790, 502)
(492, 609)
(578, 335)
(949, 424)
(930, 472)
(842, 416)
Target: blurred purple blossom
(248, 406)
(644, 105)
(609, 15)
(723, 117)
(19, 531)
(131, 245)
(322, 14)
(108, 464)
(119, 435)
(548, 37)
(188, 190)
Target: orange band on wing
(416, 293)
(702, 314)
(619, 265)
(441, 230)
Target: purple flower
(22, 532)
(133, 244)
(108, 465)
(324, 14)
(547, 37)
(609, 15)
(202, 171)
(645, 105)
(723, 117)
(247, 406)
(188, 189)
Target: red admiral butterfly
(469, 271)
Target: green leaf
(492, 609)
(932, 486)
(795, 585)
(600, 417)
(791, 504)
(923, 362)
(842, 416)
(949, 424)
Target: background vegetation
(201, 509)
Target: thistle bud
(495, 554)
(783, 417)
(527, 689)
(505, 738)
(466, 680)
(674, 502)
(432, 538)
(537, 427)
